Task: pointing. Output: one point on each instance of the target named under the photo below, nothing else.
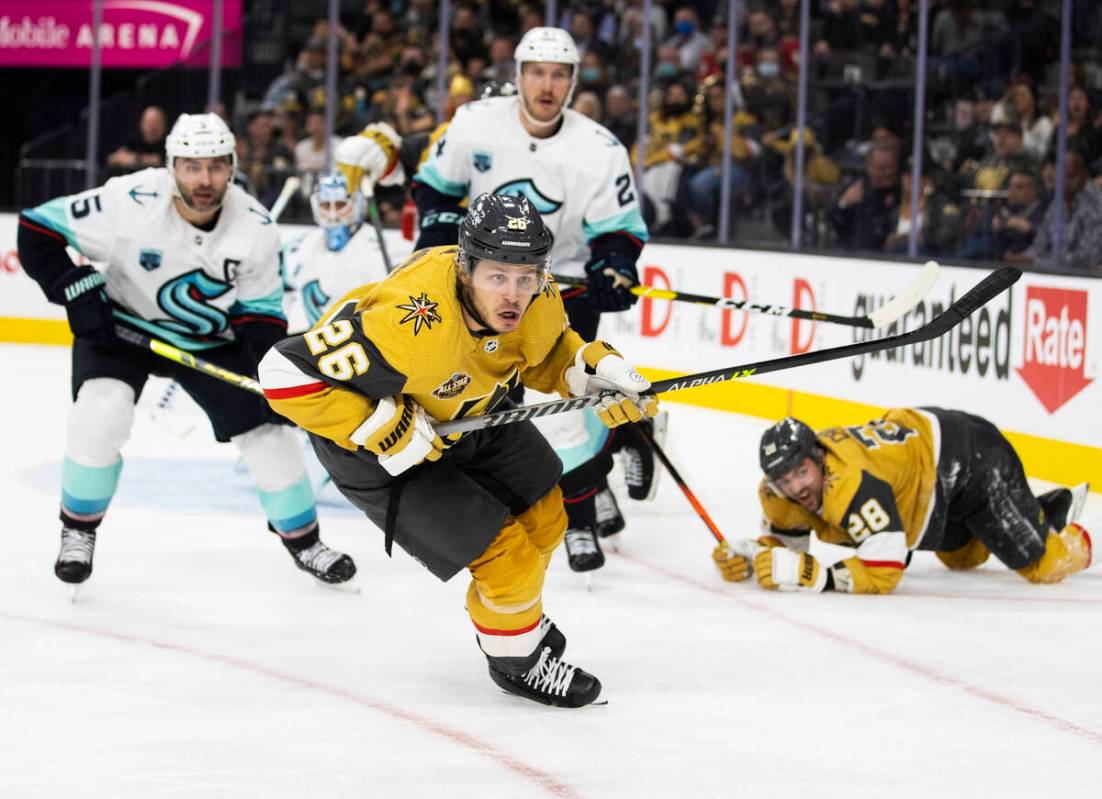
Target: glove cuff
(383, 413)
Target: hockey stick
(677, 478)
(290, 186)
(368, 189)
(988, 288)
(891, 311)
(184, 358)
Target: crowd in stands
(989, 154)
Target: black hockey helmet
(505, 228)
(785, 445)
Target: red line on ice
(544, 780)
(930, 674)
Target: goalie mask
(337, 211)
(785, 445)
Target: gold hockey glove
(400, 432)
(783, 569)
(598, 367)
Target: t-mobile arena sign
(134, 33)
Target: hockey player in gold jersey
(844, 508)
(447, 335)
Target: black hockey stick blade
(983, 292)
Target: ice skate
(327, 565)
(1062, 506)
(609, 519)
(637, 458)
(582, 550)
(550, 680)
(74, 562)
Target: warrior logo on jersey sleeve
(526, 187)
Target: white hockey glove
(778, 568)
(371, 155)
(598, 367)
(735, 559)
(400, 432)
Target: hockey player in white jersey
(190, 258)
(340, 254)
(577, 174)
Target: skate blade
(74, 592)
(611, 542)
(588, 578)
(347, 587)
(595, 703)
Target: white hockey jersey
(580, 179)
(314, 276)
(165, 276)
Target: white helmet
(200, 136)
(552, 45)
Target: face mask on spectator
(591, 74)
(684, 27)
(667, 70)
(675, 109)
(769, 69)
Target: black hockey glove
(611, 277)
(81, 290)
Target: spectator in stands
(961, 54)
(145, 148)
(1082, 231)
(1081, 131)
(621, 117)
(309, 153)
(673, 140)
(852, 26)
(630, 38)
(593, 74)
(297, 85)
(502, 68)
(667, 66)
(761, 31)
(1007, 152)
(1033, 41)
(465, 35)
(691, 44)
(585, 36)
(821, 176)
(588, 103)
(704, 186)
(263, 158)
(939, 217)
(972, 117)
(862, 218)
(767, 92)
(1009, 227)
(1021, 104)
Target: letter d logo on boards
(1054, 355)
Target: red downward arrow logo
(1055, 344)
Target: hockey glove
(89, 310)
(400, 432)
(610, 278)
(735, 559)
(371, 155)
(598, 367)
(783, 569)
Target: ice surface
(198, 662)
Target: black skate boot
(545, 678)
(582, 550)
(1062, 506)
(74, 562)
(637, 458)
(313, 556)
(609, 519)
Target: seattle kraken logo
(314, 301)
(527, 187)
(184, 299)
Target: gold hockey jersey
(406, 335)
(879, 489)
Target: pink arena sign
(134, 33)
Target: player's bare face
(804, 484)
(544, 87)
(501, 292)
(203, 182)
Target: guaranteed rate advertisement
(134, 34)
(1028, 360)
